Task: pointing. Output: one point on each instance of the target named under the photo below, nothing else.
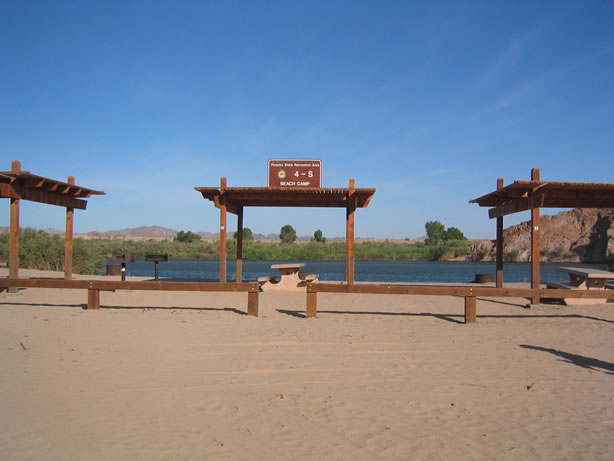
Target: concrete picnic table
(291, 278)
(581, 278)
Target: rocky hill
(579, 235)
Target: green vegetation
(39, 250)
(187, 237)
(287, 234)
(437, 233)
(319, 237)
(247, 234)
(555, 254)
(512, 256)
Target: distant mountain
(53, 231)
(142, 232)
(164, 233)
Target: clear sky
(429, 102)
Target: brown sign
(295, 173)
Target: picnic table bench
(291, 278)
(583, 279)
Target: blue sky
(428, 102)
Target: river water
(372, 271)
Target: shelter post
(68, 237)
(223, 216)
(535, 256)
(349, 234)
(499, 253)
(14, 233)
(239, 274)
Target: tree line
(39, 250)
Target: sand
(161, 375)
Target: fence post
(252, 301)
(470, 309)
(93, 298)
(312, 303)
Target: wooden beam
(499, 252)
(95, 286)
(535, 247)
(518, 205)
(14, 241)
(349, 234)
(239, 271)
(460, 290)
(16, 190)
(68, 238)
(244, 287)
(14, 233)
(223, 230)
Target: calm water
(373, 271)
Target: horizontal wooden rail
(469, 292)
(94, 287)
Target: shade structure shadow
(448, 317)
(454, 318)
(544, 316)
(174, 308)
(43, 304)
(149, 308)
(575, 359)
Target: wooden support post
(470, 309)
(68, 238)
(239, 273)
(535, 250)
(93, 298)
(349, 234)
(499, 254)
(252, 303)
(223, 230)
(312, 304)
(14, 234)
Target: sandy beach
(189, 376)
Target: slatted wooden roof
(525, 195)
(24, 185)
(237, 197)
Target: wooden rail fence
(94, 287)
(469, 293)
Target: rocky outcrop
(579, 235)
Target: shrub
(287, 234)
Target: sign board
(295, 173)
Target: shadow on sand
(143, 308)
(579, 360)
(454, 318)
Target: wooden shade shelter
(235, 199)
(533, 195)
(18, 185)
